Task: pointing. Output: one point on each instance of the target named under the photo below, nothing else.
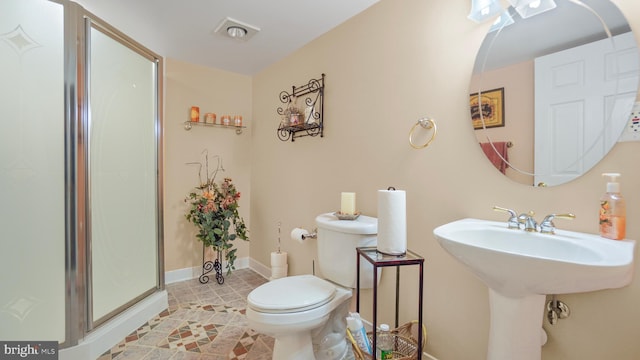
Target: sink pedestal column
(515, 327)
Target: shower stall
(80, 179)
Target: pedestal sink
(521, 268)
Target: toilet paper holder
(311, 235)
(300, 234)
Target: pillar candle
(195, 114)
(348, 203)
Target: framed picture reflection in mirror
(487, 106)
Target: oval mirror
(551, 93)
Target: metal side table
(378, 259)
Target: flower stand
(208, 266)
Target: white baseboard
(260, 268)
(178, 275)
(174, 276)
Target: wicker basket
(405, 345)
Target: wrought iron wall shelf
(189, 124)
(307, 121)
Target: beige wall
(385, 68)
(517, 81)
(213, 91)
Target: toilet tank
(337, 242)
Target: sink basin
(521, 268)
(516, 262)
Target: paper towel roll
(298, 234)
(278, 259)
(392, 222)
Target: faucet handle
(513, 218)
(548, 227)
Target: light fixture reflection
(482, 10)
(528, 8)
(502, 21)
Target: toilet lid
(290, 294)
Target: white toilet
(305, 313)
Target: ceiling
(184, 29)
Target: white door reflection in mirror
(572, 129)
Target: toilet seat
(291, 294)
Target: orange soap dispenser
(613, 217)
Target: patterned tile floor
(203, 322)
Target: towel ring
(425, 123)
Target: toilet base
(330, 341)
(293, 347)
(327, 342)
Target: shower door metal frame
(90, 23)
(77, 25)
(75, 292)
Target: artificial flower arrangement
(213, 208)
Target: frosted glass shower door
(122, 175)
(32, 171)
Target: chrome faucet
(528, 222)
(548, 227)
